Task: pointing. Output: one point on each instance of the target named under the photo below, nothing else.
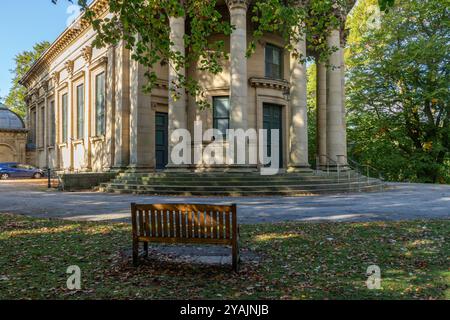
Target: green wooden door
(272, 120)
(161, 139)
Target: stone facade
(89, 113)
(13, 137)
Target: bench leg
(135, 253)
(235, 256)
(146, 249)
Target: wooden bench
(184, 223)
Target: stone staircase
(241, 184)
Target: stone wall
(12, 145)
(84, 181)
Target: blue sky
(22, 24)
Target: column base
(299, 169)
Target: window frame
(266, 62)
(80, 115)
(216, 118)
(64, 117)
(42, 127)
(100, 127)
(52, 121)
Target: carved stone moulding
(69, 65)
(87, 54)
(55, 78)
(281, 85)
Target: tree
(23, 62)
(398, 93)
(143, 28)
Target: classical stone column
(46, 126)
(141, 122)
(88, 106)
(70, 113)
(344, 112)
(321, 101)
(336, 144)
(122, 108)
(298, 105)
(238, 67)
(177, 93)
(110, 108)
(57, 106)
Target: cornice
(282, 85)
(63, 41)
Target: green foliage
(144, 28)
(398, 93)
(23, 62)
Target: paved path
(405, 201)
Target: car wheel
(4, 176)
(37, 175)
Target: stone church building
(88, 113)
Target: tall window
(221, 114)
(42, 128)
(274, 62)
(32, 137)
(64, 110)
(80, 111)
(52, 124)
(100, 104)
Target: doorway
(161, 140)
(272, 120)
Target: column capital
(238, 4)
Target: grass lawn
(299, 261)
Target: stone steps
(241, 193)
(235, 183)
(240, 183)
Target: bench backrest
(184, 223)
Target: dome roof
(9, 120)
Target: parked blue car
(17, 170)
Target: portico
(123, 128)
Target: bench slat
(189, 224)
(147, 223)
(185, 240)
(165, 223)
(214, 224)
(196, 224)
(183, 224)
(202, 225)
(177, 223)
(153, 222)
(159, 223)
(220, 224)
(227, 225)
(141, 223)
(171, 226)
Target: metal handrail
(333, 162)
(368, 167)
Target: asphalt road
(402, 202)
